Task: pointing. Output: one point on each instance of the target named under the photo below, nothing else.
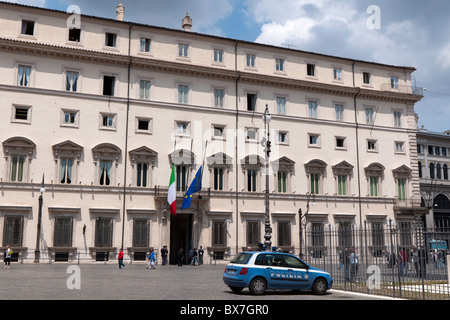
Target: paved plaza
(99, 281)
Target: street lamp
(268, 229)
(37, 252)
(303, 225)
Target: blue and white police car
(263, 270)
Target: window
(340, 143)
(401, 184)
(69, 118)
(371, 145)
(438, 171)
(342, 185)
(103, 232)
(251, 101)
(108, 121)
(141, 233)
(373, 185)
(282, 181)
(24, 73)
(28, 27)
(75, 35)
(142, 174)
(252, 134)
(311, 70)
(109, 83)
(21, 114)
(282, 137)
(317, 239)
(437, 151)
(65, 175)
(444, 151)
(219, 96)
(339, 112)
(144, 89)
(430, 150)
(284, 234)
(183, 93)
(420, 169)
(251, 180)
(13, 231)
(397, 119)
(219, 232)
(218, 131)
(17, 168)
(182, 128)
(314, 179)
(143, 125)
(72, 81)
(250, 60)
(281, 105)
(369, 115)
(183, 50)
(144, 44)
(218, 179)
(445, 171)
(432, 176)
(394, 82)
(105, 172)
(279, 65)
(253, 233)
(181, 173)
(399, 147)
(366, 77)
(314, 140)
(312, 107)
(218, 55)
(419, 149)
(63, 232)
(110, 40)
(337, 73)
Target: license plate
(231, 271)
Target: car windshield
(242, 258)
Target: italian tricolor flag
(172, 195)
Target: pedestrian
(354, 263)
(151, 259)
(120, 258)
(194, 261)
(7, 258)
(261, 247)
(404, 258)
(200, 255)
(164, 253)
(191, 254)
(180, 257)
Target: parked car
(261, 271)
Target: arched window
(438, 171)
(441, 202)
(445, 169)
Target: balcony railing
(402, 89)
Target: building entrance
(180, 236)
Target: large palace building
(96, 112)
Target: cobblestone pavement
(100, 281)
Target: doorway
(180, 236)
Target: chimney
(120, 11)
(186, 23)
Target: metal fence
(403, 260)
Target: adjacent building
(98, 112)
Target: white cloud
(444, 57)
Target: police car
(261, 271)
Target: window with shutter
(253, 233)
(141, 233)
(13, 231)
(103, 232)
(63, 232)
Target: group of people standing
(195, 256)
(349, 258)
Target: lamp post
(37, 252)
(303, 225)
(268, 228)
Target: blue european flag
(195, 186)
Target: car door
(274, 271)
(297, 273)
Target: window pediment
(315, 166)
(219, 159)
(402, 172)
(182, 157)
(19, 145)
(343, 168)
(374, 169)
(106, 150)
(67, 148)
(143, 154)
(252, 161)
(283, 164)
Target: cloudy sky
(408, 32)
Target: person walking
(120, 258)
(194, 261)
(354, 263)
(151, 259)
(180, 257)
(404, 259)
(200, 255)
(7, 259)
(164, 253)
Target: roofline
(128, 23)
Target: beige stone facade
(104, 113)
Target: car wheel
(258, 286)
(320, 286)
(236, 289)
